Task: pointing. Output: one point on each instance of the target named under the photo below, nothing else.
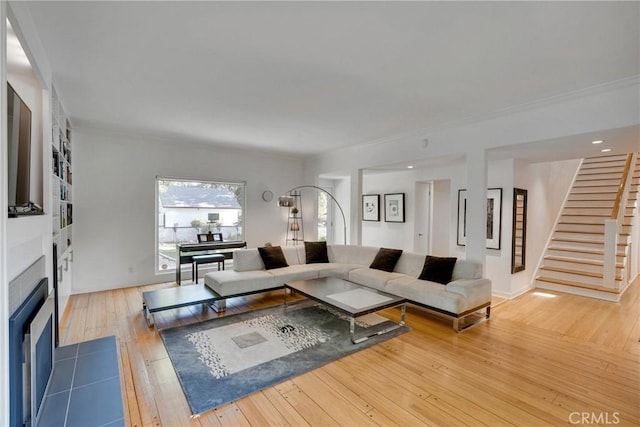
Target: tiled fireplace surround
(84, 389)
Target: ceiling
(307, 77)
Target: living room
(532, 138)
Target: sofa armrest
(475, 291)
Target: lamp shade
(285, 201)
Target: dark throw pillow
(316, 252)
(272, 257)
(438, 269)
(386, 259)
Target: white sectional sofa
(463, 297)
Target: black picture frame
(394, 207)
(494, 218)
(371, 207)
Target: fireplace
(31, 343)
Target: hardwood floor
(544, 358)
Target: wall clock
(267, 196)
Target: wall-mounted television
(19, 156)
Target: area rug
(224, 359)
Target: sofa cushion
(437, 269)
(291, 255)
(352, 254)
(386, 259)
(272, 257)
(336, 269)
(410, 264)
(247, 260)
(315, 252)
(372, 278)
(294, 272)
(231, 282)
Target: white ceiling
(306, 77)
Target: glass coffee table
(349, 299)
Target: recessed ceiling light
(409, 167)
(597, 142)
(606, 150)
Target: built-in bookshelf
(62, 177)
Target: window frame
(158, 179)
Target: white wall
(396, 235)
(114, 200)
(441, 217)
(547, 185)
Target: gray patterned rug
(224, 359)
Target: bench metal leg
(220, 306)
(148, 316)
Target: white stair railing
(612, 227)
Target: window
(186, 208)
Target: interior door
(422, 223)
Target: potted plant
(294, 211)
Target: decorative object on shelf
(519, 233)
(267, 196)
(295, 226)
(371, 207)
(494, 217)
(287, 201)
(394, 207)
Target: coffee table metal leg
(352, 326)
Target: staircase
(574, 260)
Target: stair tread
(597, 242)
(580, 260)
(595, 233)
(576, 284)
(576, 272)
(581, 251)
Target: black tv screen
(19, 151)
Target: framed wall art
(494, 217)
(394, 207)
(371, 207)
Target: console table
(186, 252)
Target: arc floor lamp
(286, 201)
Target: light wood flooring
(544, 358)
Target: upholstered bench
(205, 259)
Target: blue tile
(95, 367)
(65, 352)
(61, 376)
(54, 410)
(100, 344)
(96, 404)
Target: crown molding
(423, 133)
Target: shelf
(62, 178)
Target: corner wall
(397, 235)
(114, 200)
